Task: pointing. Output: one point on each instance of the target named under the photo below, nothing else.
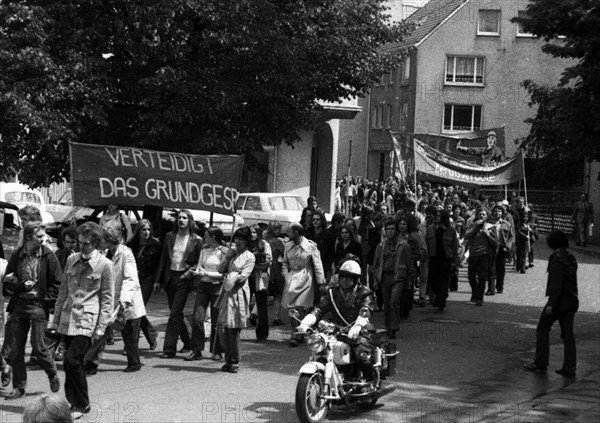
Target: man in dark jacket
(350, 303)
(561, 290)
(481, 236)
(32, 278)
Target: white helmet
(350, 268)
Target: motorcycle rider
(349, 301)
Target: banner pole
(232, 229)
(524, 177)
(414, 169)
(348, 209)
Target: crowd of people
(407, 241)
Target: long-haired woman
(234, 300)
(180, 253)
(208, 288)
(146, 250)
(347, 243)
(259, 280)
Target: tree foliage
(194, 76)
(567, 123)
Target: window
(520, 31)
(403, 121)
(391, 77)
(239, 204)
(462, 117)
(253, 203)
(285, 203)
(489, 22)
(379, 121)
(464, 70)
(406, 68)
(374, 112)
(388, 117)
(22, 197)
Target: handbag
(120, 321)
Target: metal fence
(552, 207)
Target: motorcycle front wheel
(310, 406)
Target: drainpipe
(368, 135)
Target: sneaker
(59, 356)
(217, 357)
(489, 293)
(294, 342)
(479, 303)
(185, 350)
(278, 322)
(54, 383)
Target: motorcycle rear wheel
(310, 407)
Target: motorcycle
(331, 377)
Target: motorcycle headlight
(315, 343)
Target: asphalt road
(461, 366)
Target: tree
(567, 124)
(203, 76)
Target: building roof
(427, 19)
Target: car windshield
(285, 203)
(22, 197)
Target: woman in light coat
(234, 300)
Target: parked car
(79, 214)
(21, 195)
(202, 219)
(59, 208)
(10, 226)
(262, 207)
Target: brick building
(462, 71)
